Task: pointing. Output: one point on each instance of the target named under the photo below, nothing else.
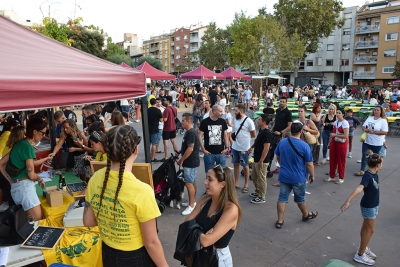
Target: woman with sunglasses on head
(128, 206)
(218, 212)
(21, 161)
(71, 135)
(376, 127)
(97, 142)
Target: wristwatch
(83, 146)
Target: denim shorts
(224, 257)
(299, 191)
(115, 258)
(351, 132)
(246, 101)
(241, 157)
(189, 174)
(24, 193)
(155, 138)
(369, 213)
(213, 159)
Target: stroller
(179, 127)
(168, 184)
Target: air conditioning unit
(368, 35)
(367, 50)
(368, 19)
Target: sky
(144, 18)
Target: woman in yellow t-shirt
(96, 140)
(123, 207)
(17, 133)
(5, 134)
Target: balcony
(366, 44)
(172, 61)
(367, 29)
(365, 60)
(194, 49)
(194, 39)
(154, 48)
(364, 75)
(172, 52)
(172, 43)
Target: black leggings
(117, 258)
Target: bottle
(60, 184)
(64, 184)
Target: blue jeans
(299, 191)
(195, 119)
(213, 159)
(125, 109)
(325, 141)
(365, 148)
(224, 257)
(189, 174)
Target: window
(178, 48)
(347, 15)
(390, 53)
(375, 53)
(330, 47)
(345, 62)
(345, 46)
(301, 67)
(178, 38)
(185, 37)
(392, 20)
(329, 62)
(310, 63)
(377, 23)
(391, 36)
(178, 57)
(388, 69)
(346, 31)
(318, 61)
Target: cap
(296, 127)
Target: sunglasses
(220, 167)
(43, 133)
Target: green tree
(114, 49)
(396, 73)
(189, 61)
(54, 30)
(152, 61)
(118, 59)
(88, 40)
(212, 52)
(311, 20)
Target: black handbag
(11, 169)
(233, 135)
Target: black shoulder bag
(233, 136)
(295, 150)
(11, 169)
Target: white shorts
(24, 193)
(229, 129)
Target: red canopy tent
(232, 74)
(123, 64)
(154, 73)
(39, 72)
(202, 73)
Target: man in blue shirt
(295, 158)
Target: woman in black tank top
(328, 121)
(218, 212)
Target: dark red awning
(232, 74)
(202, 73)
(154, 73)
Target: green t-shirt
(20, 152)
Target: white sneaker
(137, 120)
(359, 161)
(327, 158)
(364, 259)
(349, 155)
(4, 206)
(188, 210)
(368, 252)
(201, 155)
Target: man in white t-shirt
(124, 105)
(284, 91)
(290, 89)
(241, 144)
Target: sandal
(279, 225)
(159, 152)
(245, 189)
(276, 184)
(339, 181)
(237, 187)
(359, 173)
(311, 215)
(329, 179)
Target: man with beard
(216, 143)
(282, 123)
(244, 130)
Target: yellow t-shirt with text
(136, 204)
(101, 156)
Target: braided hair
(120, 144)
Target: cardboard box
(54, 196)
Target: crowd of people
(211, 132)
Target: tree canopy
(396, 73)
(152, 61)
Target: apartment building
(376, 43)
(159, 47)
(333, 62)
